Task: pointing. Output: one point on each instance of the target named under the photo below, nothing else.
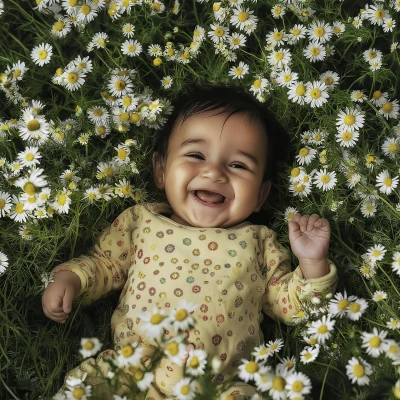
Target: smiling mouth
(209, 197)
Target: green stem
(387, 276)
(330, 366)
(324, 381)
(7, 388)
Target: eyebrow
(250, 156)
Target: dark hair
(228, 100)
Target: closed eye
(196, 155)
(238, 166)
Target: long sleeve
(286, 290)
(105, 266)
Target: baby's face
(213, 174)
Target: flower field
(85, 88)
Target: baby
(215, 160)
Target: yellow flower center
(219, 32)
(320, 31)
(300, 90)
(243, 16)
(238, 70)
(257, 83)
(157, 61)
(127, 351)
(277, 10)
(347, 136)
(33, 125)
(251, 367)
(278, 383)
(278, 36)
(343, 304)
(85, 9)
(19, 208)
(313, 341)
(42, 54)
(156, 7)
(303, 152)
(181, 314)
(370, 158)
(387, 182)
(300, 314)
(287, 77)
(328, 80)
(126, 189)
(122, 154)
(279, 56)
(139, 374)
(296, 32)
(120, 84)
(185, 389)
(355, 307)
(29, 157)
(379, 14)
(236, 41)
(295, 171)
(307, 356)
(315, 51)
(377, 95)
(124, 117)
(372, 55)
(387, 107)
(297, 386)
(315, 93)
(17, 73)
(299, 187)
(393, 147)
(62, 199)
(325, 178)
(375, 342)
(72, 77)
(78, 393)
(322, 329)
(173, 348)
(59, 26)
(32, 199)
(89, 345)
(156, 319)
(216, 7)
(2, 204)
(135, 117)
(194, 362)
(289, 364)
(358, 370)
(29, 188)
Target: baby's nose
(214, 172)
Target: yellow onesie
(233, 275)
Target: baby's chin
(201, 223)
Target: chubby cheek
(246, 195)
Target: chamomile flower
(120, 85)
(153, 323)
(338, 28)
(347, 138)
(372, 55)
(396, 262)
(386, 183)
(41, 54)
(100, 40)
(279, 58)
(276, 38)
(181, 316)
(259, 85)
(62, 201)
(142, 379)
(185, 389)
(61, 27)
(309, 354)
(241, 17)
(240, 71)
(18, 213)
(274, 346)
(218, 34)
(278, 11)
(322, 328)
(73, 78)
(379, 98)
(175, 350)
(3, 263)
(33, 180)
(392, 350)
(356, 308)
(33, 127)
(367, 270)
(124, 188)
(297, 32)
(297, 92)
(128, 30)
(166, 82)
(297, 385)
(86, 12)
(373, 342)
(388, 24)
(314, 52)
(325, 180)
(236, 40)
(393, 323)
(300, 189)
(319, 32)
(330, 78)
(289, 213)
(390, 109)
(248, 370)
(286, 77)
(131, 48)
(316, 94)
(196, 362)
(91, 194)
(5, 203)
(17, 70)
(339, 305)
(128, 102)
(391, 147)
(81, 392)
(379, 295)
(89, 347)
(276, 384)
(376, 253)
(375, 14)
(261, 353)
(358, 370)
(130, 354)
(352, 119)
(358, 96)
(29, 157)
(98, 114)
(306, 155)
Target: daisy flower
(375, 14)
(18, 212)
(391, 147)
(196, 362)
(278, 11)
(248, 370)
(33, 126)
(309, 354)
(319, 32)
(239, 71)
(42, 54)
(358, 96)
(347, 138)
(276, 384)
(81, 392)
(386, 183)
(130, 354)
(89, 347)
(5, 203)
(17, 70)
(322, 328)
(351, 119)
(297, 92)
(388, 24)
(175, 350)
(376, 253)
(286, 77)
(31, 181)
(316, 94)
(392, 350)
(390, 109)
(29, 157)
(357, 370)
(91, 194)
(373, 342)
(199, 34)
(99, 40)
(289, 213)
(259, 85)
(86, 12)
(62, 201)
(274, 346)
(3, 263)
(393, 323)
(73, 78)
(98, 114)
(306, 155)
(379, 295)
(296, 33)
(166, 82)
(154, 50)
(185, 389)
(128, 30)
(356, 308)
(120, 85)
(218, 34)
(261, 353)
(142, 379)
(339, 305)
(372, 55)
(153, 323)
(84, 64)
(325, 180)
(279, 58)
(236, 40)
(379, 98)
(180, 317)
(330, 78)
(338, 28)
(395, 263)
(131, 48)
(289, 362)
(276, 38)
(241, 17)
(299, 317)
(123, 188)
(300, 189)
(297, 385)
(314, 52)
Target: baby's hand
(57, 297)
(309, 239)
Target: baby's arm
(287, 290)
(103, 268)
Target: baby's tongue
(210, 197)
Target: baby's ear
(263, 194)
(158, 171)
